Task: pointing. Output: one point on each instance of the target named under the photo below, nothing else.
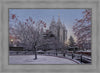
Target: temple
(58, 29)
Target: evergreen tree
(71, 42)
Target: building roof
(59, 23)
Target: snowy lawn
(28, 59)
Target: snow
(28, 59)
(84, 51)
(87, 57)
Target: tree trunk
(81, 58)
(56, 52)
(64, 54)
(72, 55)
(35, 54)
(35, 51)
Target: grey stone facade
(58, 29)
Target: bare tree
(82, 29)
(28, 32)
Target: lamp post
(12, 42)
(81, 56)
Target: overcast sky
(67, 16)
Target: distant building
(58, 29)
(13, 41)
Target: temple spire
(63, 25)
(53, 21)
(59, 17)
(59, 21)
(53, 18)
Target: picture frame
(5, 4)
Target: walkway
(28, 59)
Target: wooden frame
(5, 4)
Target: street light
(11, 40)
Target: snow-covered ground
(29, 59)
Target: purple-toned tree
(28, 31)
(82, 30)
